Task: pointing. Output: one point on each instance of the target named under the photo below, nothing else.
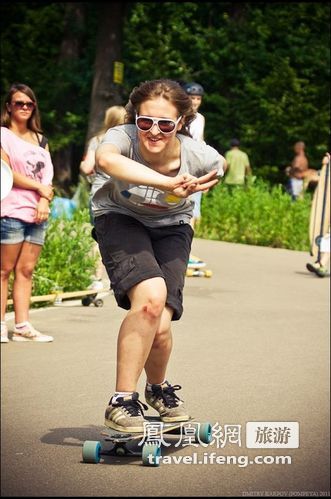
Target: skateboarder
(142, 222)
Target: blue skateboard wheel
(151, 454)
(91, 451)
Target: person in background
(114, 115)
(197, 131)
(25, 211)
(299, 173)
(321, 266)
(238, 165)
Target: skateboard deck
(320, 211)
(146, 444)
(88, 296)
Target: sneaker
(4, 334)
(321, 271)
(195, 263)
(29, 333)
(317, 268)
(126, 414)
(164, 400)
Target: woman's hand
(46, 191)
(42, 211)
(186, 184)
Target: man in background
(238, 165)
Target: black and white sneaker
(125, 414)
(164, 400)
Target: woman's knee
(163, 338)
(5, 273)
(153, 306)
(150, 297)
(24, 271)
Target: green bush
(271, 174)
(66, 261)
(260, 215)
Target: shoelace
(134, 407)
(168, 395)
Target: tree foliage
(265, 68)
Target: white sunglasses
(166, 126)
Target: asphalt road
(253, 345)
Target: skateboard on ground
(88, 296)
(196, 268)
(147, 444)
(320, 211)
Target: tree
(105, 91)
(265, 68)
(70, 51)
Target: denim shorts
(15, 231)
(132, 253)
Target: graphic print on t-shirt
(151, 197)
(34, 166)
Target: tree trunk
(105, 92)
(70, 51)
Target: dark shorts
(132, 253)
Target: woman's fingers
(201, 180)
(206, 185)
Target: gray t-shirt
(151, 206)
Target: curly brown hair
(34, 122)
(169, 90)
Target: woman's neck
(25, 133)
(166, 161)
(19, 128)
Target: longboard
(320, 211)
(148, 443)
(88, 296)
(198, 272)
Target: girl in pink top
(25, 210)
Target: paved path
(253, 345)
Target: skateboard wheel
(91, 451)
(98, 303)
(151, 454)
(208, 273)
(120, 451)
(86, 301)
(204, 435)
